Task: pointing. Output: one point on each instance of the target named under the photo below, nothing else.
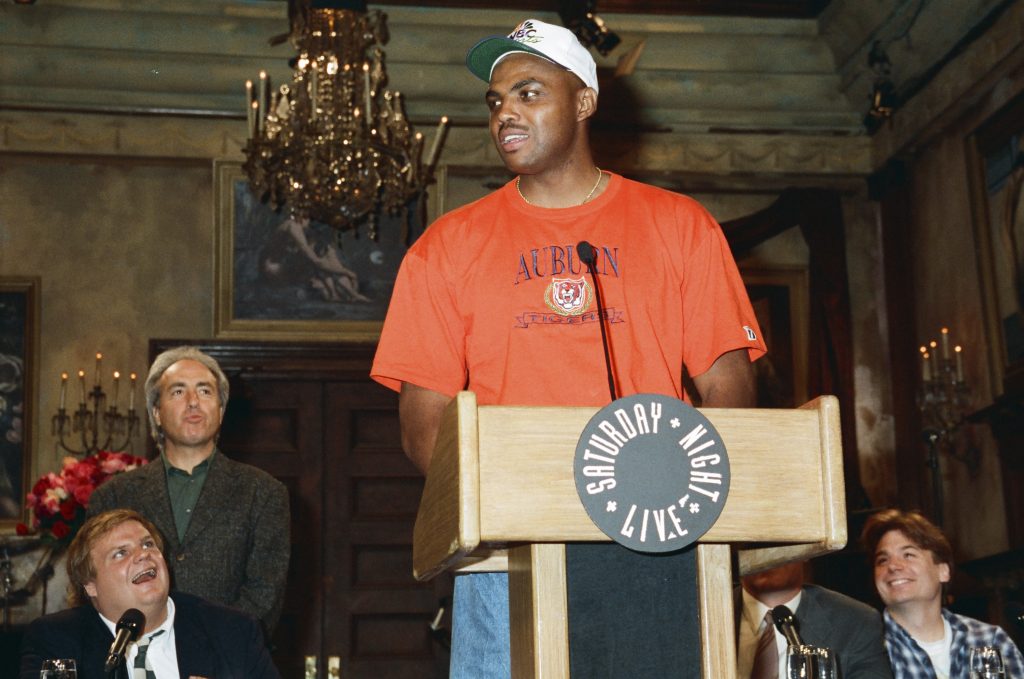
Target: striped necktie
(143, 669)
(766, 658)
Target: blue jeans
(480, 634)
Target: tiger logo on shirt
(568, 296)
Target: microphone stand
(589, 257)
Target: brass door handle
(311, 672)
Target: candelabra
(944, 401)
(93, 415)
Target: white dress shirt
(751, 624)
(162, 653)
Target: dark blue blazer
(213, 641)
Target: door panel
(381, 625)
(276, 426)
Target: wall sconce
(944, 401)
(590, 29)
(883, 92)
(93, 412)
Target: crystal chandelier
(335, 145)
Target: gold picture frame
(19, 381)
(277, 279)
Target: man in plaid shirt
(913, 562)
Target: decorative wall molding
(205, 138)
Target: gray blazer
(849, 627)
(235, 551)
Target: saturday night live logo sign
(652, 472)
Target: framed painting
(19, 344)
(780, 299)
(279, 278)
(996, 156)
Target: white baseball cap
(554, 43)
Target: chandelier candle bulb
(959, 363)
(945, 343)
(250, 114)
(131, 394)
(261, 112)
(117, 381)
(99, 358)
(81, 380)
(926, 368)
(435, 148)
(63, 388)
(369, 95)
(313, 74)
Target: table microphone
(787, 624)
(589, 257)
(128, 628)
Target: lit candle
(117, 378)
(313, 75)
(99, 358)
(250, 114)
(945, 343)
(131, 394)
(254, 106)
(926, 367)
(435, 148)
(263, 95)
(63, 388)
(959, 363)
(81, 380)
(366, 85)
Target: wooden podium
(500, 495)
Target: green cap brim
(481, 57)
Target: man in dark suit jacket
(115, 563)
(853, 630)
(226, 524)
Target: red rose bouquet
(58, 501)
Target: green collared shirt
(184, 489)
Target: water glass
(986, 663)
(810, 662)
(58, 669)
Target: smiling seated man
(913, 562)
(115, 563)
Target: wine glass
(58, 669)
(810, 662)
(985, 662)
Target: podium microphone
(128, 628)
(589, 257)
(787, 624)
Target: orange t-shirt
(494, 298)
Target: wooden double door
(310, 416)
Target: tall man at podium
(494, 298)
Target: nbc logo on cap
(554, 43)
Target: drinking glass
(58, 669)
(985, 662)
(810, 662)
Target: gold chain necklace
(600, 174)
